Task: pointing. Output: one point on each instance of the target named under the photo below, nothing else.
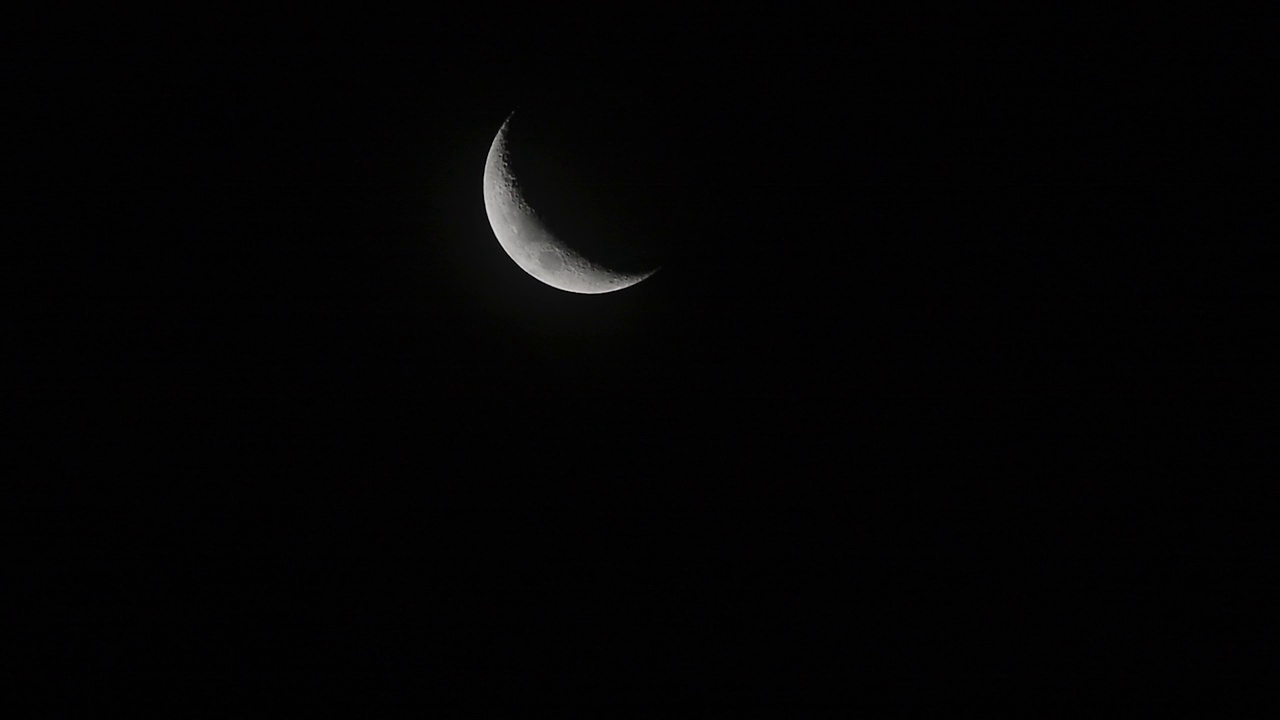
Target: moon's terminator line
(528, 242)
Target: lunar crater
(538, 250)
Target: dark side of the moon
(593, 173)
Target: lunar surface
(527, 240)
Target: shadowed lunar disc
(527, 240)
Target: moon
(526, 239)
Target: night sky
(944, 395)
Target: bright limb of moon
(527, 240)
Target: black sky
(946, 389)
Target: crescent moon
(529, 243)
